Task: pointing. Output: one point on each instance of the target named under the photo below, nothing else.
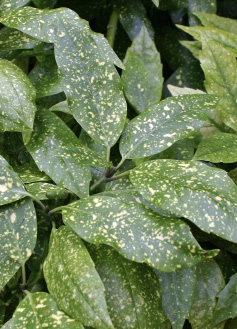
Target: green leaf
(131, 289)
(16, 89)
(137, 232)
(132, 16)
(218, 148)
(173, 4)
(61, 107)
(44, 3)
(7, 5)
(227, 302)
(214, 21)
(40, 189)
(193, 46)
(11, 39)
(52, 145)
(18, 230)
(11, 187)
(161, 125)
(220, 70)
(206, 6)
(203, 194)
(39, 310)
(177, 294)
(73, 281)
(209, 283)
(91, 82)
(142, 78)
(156, 2)
(176, 91)
(29, 173)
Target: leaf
(131, 289)
(11, 187)
(39, 310)
(203, 194)
(29, 173)
(142, 78)
(161, 125)
(132, 16)
(17, 100)
(18, 230)
(73, 281)
(61, 107)
(7, 5)
(209, 283)
(215, 21)
(218, 148)
(49, 146)
(11, 39)
(173, 4)
(206, 6)
(220, 70)
(91, 82)
(176, 91)
(193, 46)
(40, 189)
(227, 302)
(134, 230)
(156, 2)
(177, 294)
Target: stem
(119, 165)
(124, 174)
(38, 201)
(100, 181)
(112, 27)
(23, 271)
(55, 210)
(108, 154)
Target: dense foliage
(118, 152)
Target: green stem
(124, 174)
(112, 27)
(55, 210)
(23, 272)
(108, 154)
(38, 201)
(119, 165)
(100, 181)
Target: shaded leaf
(73, 281)
(131, 289)
(17, 100)
(227, 302)
(39, 310)
(206, 6)
(137, 232)
(161, 125)
(18, 230)
(11, 39)
(40, 189)
(29, 173)
(203, 194)
(156, 2)
(142, 78)
(209, 283)
(193, 46)
(61, 107)
(177, 294)
(218, 148)
(176, 91)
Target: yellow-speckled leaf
(11, 187)
(132, 290)
(137, 232)
(203, 194)
(18, 230)
(90, 80)
(29, 173)
(177, 294)
(7, 5)
(11, 39)
(38, 311)
(162, 124)
(40, 190)
(17, 100)
(73, 281)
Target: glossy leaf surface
(14, 39)
(7, 5)
(204, 195)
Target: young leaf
(218, 148)
(227, 302)
(50, 144)
(11, 187)
(73, 281)
(220, 70)
(131, 289)
(142, 78)
(177, 294)
(18, 230)
(209, 283)
(39, 310)
(8, 5)
(203, 194)
(161, 125)
(137, 232)
(17, 100)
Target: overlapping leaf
(39, 310)
(142, 78)
(136, 232)
(29, 173)
(17, 100)
(18, 230)
(177, 294)
(40, 189)
(206, 6)
(73, 281)
(161, 125)
(131, 289)
(203, 194)
(11, 39)
(209, 283)
(7, 5)
(91, 82)
(218, 148)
